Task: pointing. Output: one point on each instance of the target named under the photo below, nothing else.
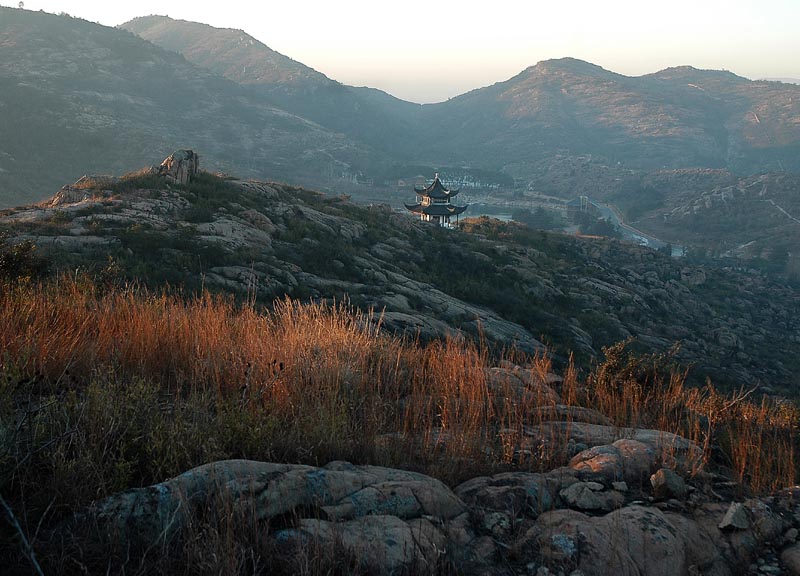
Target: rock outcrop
(630, 501)
(392, 521)
(180, 166)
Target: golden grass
(103, 389)
(758, 439)
(314, 382)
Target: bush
(21, 261)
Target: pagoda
(433, 203)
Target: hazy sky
(429, 50)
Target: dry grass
(105, 389)
(757, 440)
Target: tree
(540, 219)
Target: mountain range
(679, 117)
(72, 90)
(258, 112)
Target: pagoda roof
(436, 190)
(436, 209)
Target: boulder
(590, 496)
(265, 491)
(259, 220)
(380, 544)
(570, 539)
(663, 446)
(520, 493)
(735, 518)
(625, 459)
(791, 560)
(667, 484)
(385, 521)
(631, 541)
(639, 458)
(603, 463)
(652, 542)
(180, 166)
(234, 233)
(702, 551)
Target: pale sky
(428, 51)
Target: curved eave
(436, 209)
(437, 195)
(436, 190)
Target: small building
(433, 203)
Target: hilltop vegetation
(504, 282)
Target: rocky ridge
(504, 281)
(679, 117)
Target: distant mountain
(784, 80)
(230, 53)
(372, 116)
(76, 90)
(76, 96)
(677, 118)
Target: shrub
(20, 261)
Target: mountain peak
(142, 23)
(568, 65)
(229, 52)
(690, 73)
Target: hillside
(161, 413)
(753, 219)
(368, 115)
(515, 286)
(71, 90)
(155, 433)
(233, 54)
(560, 128)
